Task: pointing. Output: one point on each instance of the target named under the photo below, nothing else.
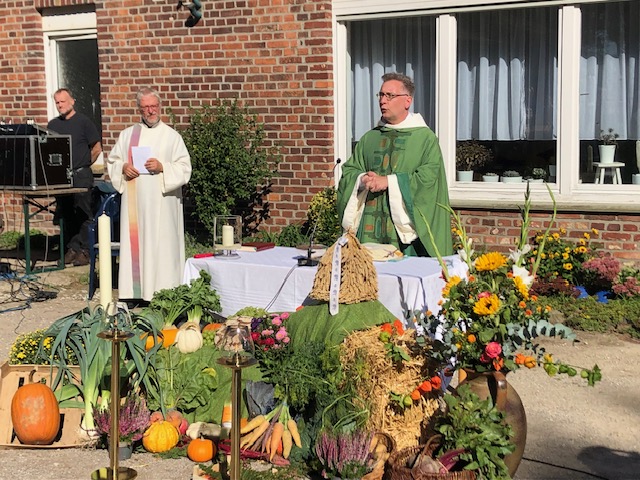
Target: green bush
(323, 215)
(232, 164)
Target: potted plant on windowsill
(490, 177)
(538, 175)
(511, 176)
(470, 155)
(607, 148)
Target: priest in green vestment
(394, 183)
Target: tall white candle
(227, 235)
(104, 252)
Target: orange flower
(530, 362)
(387, 328)
(415, 395)
(397, 324)
(471, 338)
(528, 312)
(425, 387)
(498, 363)
(519, 359)
(522, 304)
(436, 382)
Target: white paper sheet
(140, 156)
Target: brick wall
(498, 230)
(274, 56)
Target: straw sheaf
(363, 349)
(358, 277)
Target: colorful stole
(133, 218)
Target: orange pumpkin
(160, 437)
(167, 337)
(201, 450)
(35, 413)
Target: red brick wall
(499, 230)
(274, 56)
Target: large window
(405, 45)
(71, 56)
(506, 88)
(610, 84)
(536, 84)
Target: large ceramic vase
(506, 399)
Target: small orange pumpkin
(35, 413)
(160, 437)
(166, 337)
(201, 450)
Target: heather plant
(344, 455)
(134, 419)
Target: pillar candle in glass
(227, 235)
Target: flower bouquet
(490, 320)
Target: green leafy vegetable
(174, 302)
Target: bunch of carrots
(273, 433)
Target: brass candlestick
(238, 354)
(116, 316)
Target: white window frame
(60, 28)
(568, 192)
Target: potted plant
(134, 420)
(490, 177)
(476, 430)
(511, 176)
(471, 155)
(490, 323)
(607, 148)
(538, 175)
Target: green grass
(615, 316)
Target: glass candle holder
(237, 346)
(227, 232)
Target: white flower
(517, 254)
(523, 273)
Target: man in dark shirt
(76, 210)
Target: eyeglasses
(391, 96)
(149, 107)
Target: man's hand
(153, 165)
(129, 171)
(374, 182)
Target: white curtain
(610, 70)
(405, 45)
(507, 74)
(507, 70)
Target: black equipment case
(34, 158)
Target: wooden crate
(14, 376)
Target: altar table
(273, 280)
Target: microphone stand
(308, 261)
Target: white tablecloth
(272, 279)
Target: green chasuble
(413, 155)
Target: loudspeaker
(34, 158)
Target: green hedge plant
(233, 164)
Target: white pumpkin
(189, 338)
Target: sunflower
(453, 281)
(487, 305)
(490, 261)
